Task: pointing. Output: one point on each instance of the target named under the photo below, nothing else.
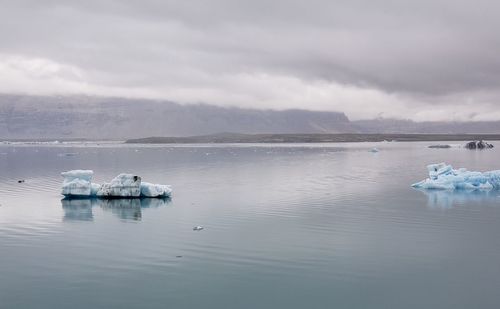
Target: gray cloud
(404, 59)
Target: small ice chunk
(374, 150)
(123, 185)
(198, 228)
(478, 145)
(155, 190)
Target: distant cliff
(72, 117)
(314, 138)
(115, 118)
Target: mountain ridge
(87, 117)
(311, 138)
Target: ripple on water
(296, 218)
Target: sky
(419, 60)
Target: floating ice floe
(374, 150)
(78, 183)
(444, 177)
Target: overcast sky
(421, 59)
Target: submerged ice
(445, 177)
(78, 183)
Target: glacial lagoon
(284, 226)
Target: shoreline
(311, 138)
(229, 138)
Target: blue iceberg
(444, 177)
(78, 184)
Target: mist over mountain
(34, 117)
(430, 127)
(116, 118)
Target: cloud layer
(423, 60)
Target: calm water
(304, 226)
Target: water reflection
(126, 209)
(445, 199)
(77, 209)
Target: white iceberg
(78, 183)
(123, 185)
(444, 177)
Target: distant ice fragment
(374, 150)
(198, 228)
(478, 145)
(442, 176)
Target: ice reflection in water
(286, 227)
(447, 199)
(77, 209)
(126, 209)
